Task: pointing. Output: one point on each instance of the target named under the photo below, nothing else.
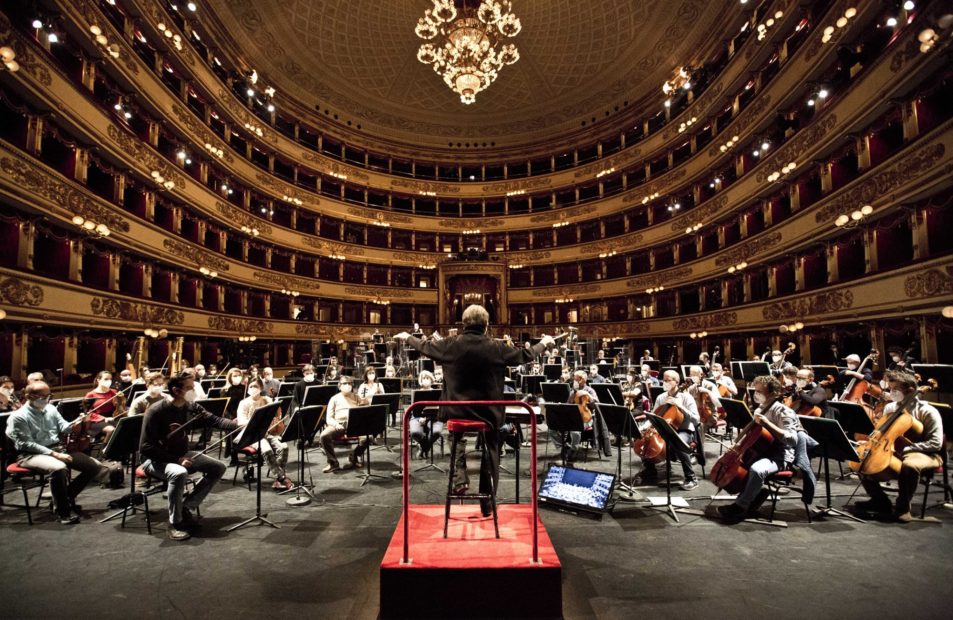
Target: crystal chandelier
(464, 44)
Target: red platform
(471, 573)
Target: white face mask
(200, 373)
(8, 392)
(40, 403)
(254, 391)
(345, 388)
(696, 380)
(309, 377)
(125, 378)
(760, 398)
(802, 383)
(105, 384)
(390, 373)
(426, 383)
(897, 396)
(895, 358)
(668, 386)
(788, 381)
(776, 358)
(852, 366)
(236, 380)
(268, 377)
(371, 377)
(155, 390)
(717, 374)
(575, 385)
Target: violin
(650, 447)
(730, 472)
(879, 452)
(78, 439)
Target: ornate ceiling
(579, 60)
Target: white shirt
(370, 389)
(246, 408)
(337, 411)
(686, 402)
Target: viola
(879, 452)
(730, 472)
(78, 440)
(650, 447)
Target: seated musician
(102, 404)
(8, 397)
(273, 450)
(726, 385)
(672, 396)
(423, 429)
(234, 390)
(594, 376)
(155, 383)
(705, 394)
(370, 387)
(307, 380)
(900, 360)
(646, 357)
(125, 378)
(36, 429)
(704, 361)
(336, 423)
(778, 363)
(271, 385)
(923, 454)
(807, 393)
(853, 371)
(565, 375)
(646, 376)
(632, 389)
(579, 388)
(164, 448)
(199, 392)
(781, 422)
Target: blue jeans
(757, 474)
(802, 460)
(211, 469)
(425, 432)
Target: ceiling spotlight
(823, 93)
(191, 6)
(810, 102)
(37, 24)
(271, 107)
(53, 38)
(250, 92)
(891, 22)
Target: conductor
(473, 369)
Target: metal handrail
(405, 461)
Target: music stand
(216, 406)
(563, 418)
(555, 391)
(391, 384)
(286, 388)
(392, 401)
(256, 430)
(70, 408)
(673, 442)
(747, 371)
(552, 371)
(941, 373)
(609, 393)
(369, 421)
(135, 390)
(529, 384)
(834, 444)
(124, 443)
(654, 392)
(852, 417)
(621, 423)
(315, 395)
(737, 414)
(302, 425)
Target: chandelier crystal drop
(465, 44)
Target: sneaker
(460, 489)
(397, 475)
(69, 519)
(688, 485)
(175, 533)
(331, 467)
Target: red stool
(250, 455)
(455, 427)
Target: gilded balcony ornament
(144, 155)
(522, 185)
(746, 119)
(229, 324)
(202, 133)
(656, 188)
(705, 321)
(749, 248)
(245, 118)
(332, 247)
(26, 60)
(930, 283)
(904, 171)
(136, 312)
(285, 282)
(810, 306)
(243, 218)
(560, 215)
(375, 215)
(425, 187)
(612, 246)
(378, 292)
(16, 292)
(312, 329)
(335, 169)
(530, 256)
(795, 149)
(194, 254)
(567, 292)
(471, 223)
(663, 278)
(700, 214)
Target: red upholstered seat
(250, 450)
(785, 475)
(141, 473)
(467, 426)
(14, 468)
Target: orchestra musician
(900, 359)
(234, 390)
(268, 381)
(8, 397)
(199, 392)
(646, 357)
(921, 455)
(726, 385)
(672, 396)
(782, 423)
(36, 430)
(102, 404)
(704, 361)
(807, 392)
(155, 382)
(307, 380)
(424, 430)
(370, 387)
(580, 388)
(705, 394)
(164, 448)
(853, 371)
(273, 450)
(336, 423)
(778, 363)
(647, 376)
(594, 376)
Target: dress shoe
(69, 519)
(872, 505)
(732, 512)
(352, 459)
(177, 534)
(905, 517)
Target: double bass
(650, 447)
(855, 390)
(730, 472)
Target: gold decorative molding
(239, 326)
(285, 282)
(92, 16)
(424, 186)
(527, 256)
(334, 168)
(471, 223)
(700, 214)
(27, 60)
(381, 292)
(141, 153)
(16, 292)
(284, 189)
(706, 321)
(204, 134)
(807, 138)
(566, 291)
(227, 100)
(616, 161)
(312, 329)
(660, 186)
(332, 247)
(195, 255)
(39, 181)
(657, 279)
(559, 215)
(184, 50)
(384, 217)
(136, 312)
(747, 249)
(521, 185)
(243, 218)
(813, 306)
(744, 120)
(617, 244)
(880, 184)
(930, 283)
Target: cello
(855, 390)
(879, 452)
(650, 447)
(730, 472)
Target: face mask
(125, 378)
(696, 380)
(40, 403)
(389, 374)
(8, 392)
(668, 386)
(630, 379)
(717, 374)
(268, 377)
(236, 380)
(852, 366)
(200, 373)
(802, 383)
(897, 396)
(105, 384)
(253, 391)
(895, 358)
(189, 396)
(788, 381)
(426, 383)
(371, 377)
(155, 390)
(346, 388)
(575, 385)
(309, 377)
(776, 358)
(760, 398)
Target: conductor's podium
(470, 573)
